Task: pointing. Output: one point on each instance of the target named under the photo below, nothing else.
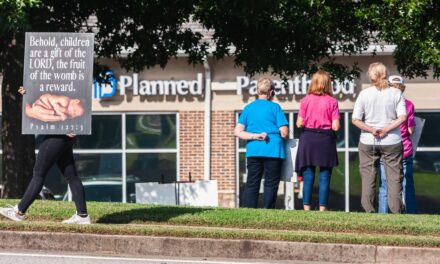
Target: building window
(426, 166)
(123, 149)
(151, 131)
(151, 150)
(106, 133)
(430, 137)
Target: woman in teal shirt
(264, 126)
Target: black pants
(55, 149)
(272, 175)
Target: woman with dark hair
(54, 149)
(319, 117)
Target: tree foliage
(13, 15)
(136, 32)
(414, 27)
(18, 151)
(285, 37)
(282, 37)
(151, 30)
(13, 19)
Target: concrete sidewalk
(214, 248)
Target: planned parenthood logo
(105, 85)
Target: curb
(214, 248)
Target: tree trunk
(18, 150)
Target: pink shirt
(406, 140)
(318, 111)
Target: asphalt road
(26, 257)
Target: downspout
(207, 118)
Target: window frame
(123, 150)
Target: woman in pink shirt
(319, 117)
(406, 130)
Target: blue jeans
(325, 174)
(272, 175)
(409, 192)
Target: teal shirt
(264, 116)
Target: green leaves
(414, 26)
(283, 37)
(13, 14)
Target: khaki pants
(369, 156)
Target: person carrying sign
(55, 149)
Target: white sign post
(288, 174)
(415, 137)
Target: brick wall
(223, 155)
(191, 138)
(222, 151)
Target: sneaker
(76, 219)
(11, 212)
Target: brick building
(163, 125)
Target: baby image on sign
(58, 72)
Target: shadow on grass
(151, 214)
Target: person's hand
(71, 135)
(260, 136)
(382, 133)
(21, 90)
(375, 132)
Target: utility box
(198, 193)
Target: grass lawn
(327, 227)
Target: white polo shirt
(379, 108)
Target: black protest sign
(58, 72)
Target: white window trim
(124, 150)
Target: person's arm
(299, 122)
(410, 117)
(358, 113)
(336, 125)
(401, 117)
(396, 123)
(300, 118)
(240, 132)
(361, 125)
(282, 122)
(284, 132)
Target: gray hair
(264, 85)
